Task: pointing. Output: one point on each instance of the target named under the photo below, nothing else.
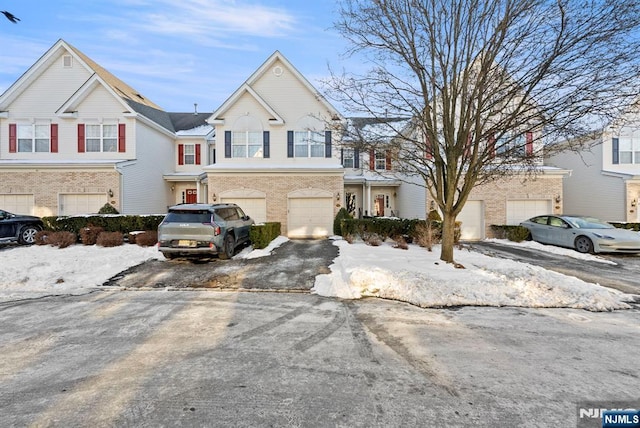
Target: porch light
(215, 198)
(634, 203)
(337, 196)
(558, 199)
(110, 193)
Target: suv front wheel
(28, 235)
(228, 247)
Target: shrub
(512, 233)
(401, 243)
(434, 215)
(41, 237)
(148, 238)
(110, 239)
(108, 209)
(61, 239)
(110, 223)
(337, 222)
(427, 234)
(262, 234)
(89, 234)
(373, 240)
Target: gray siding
(587, 191)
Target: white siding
(411, 201)
(144, 190)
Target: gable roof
(129, 97)
(246, 87)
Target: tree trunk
(448, 236)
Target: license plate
(186, 243)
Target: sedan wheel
(584, 244)
(28, 235)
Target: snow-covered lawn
(414, 275)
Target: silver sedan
(584, 234)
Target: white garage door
(518, 211)
(256, 208)
(472, 218)
(310, 217)
(72, 204)
(17, 204)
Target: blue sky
(176, 52)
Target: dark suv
(203, 230)
(18, 228)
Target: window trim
(116, 139)
(34, 137)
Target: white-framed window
(348, 158)
(629, 148)
(34, 138)
(308, 144)
(380, 160)
(510, 145)
(189, 156)
(246, 144)
(101, 138)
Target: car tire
(228, 248)
(168, 256)
(583, 244)
(27, 235)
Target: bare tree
(477, 75)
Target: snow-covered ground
(414, 275)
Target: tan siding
(46, 185)
(276, 187)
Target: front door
(192, 196)
(379, 205)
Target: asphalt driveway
(291, 267)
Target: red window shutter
(428, 148)
(81, 138)
(197, 154)
(13, 138)
(54, 138)
(180, 154)
(372, 160)
(529, 144)
(122, 138)
(387, 160)
(491, 149)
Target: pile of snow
(419, 277)
(414, 275)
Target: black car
(18, 228)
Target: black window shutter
(327, 144)
(342, 157)
(615, 145)
(265, 144)
(356, 158)
(227, 144)
(289, 144)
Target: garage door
(72, 204)
(520, 210)
(310, 217)
(256, 208)
(472, 218)
(17, 204)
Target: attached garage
(256, 208)
(310, 214)
(472, 218)
(17, 204)
(520, 210)
(81, 203)
(252, 202)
